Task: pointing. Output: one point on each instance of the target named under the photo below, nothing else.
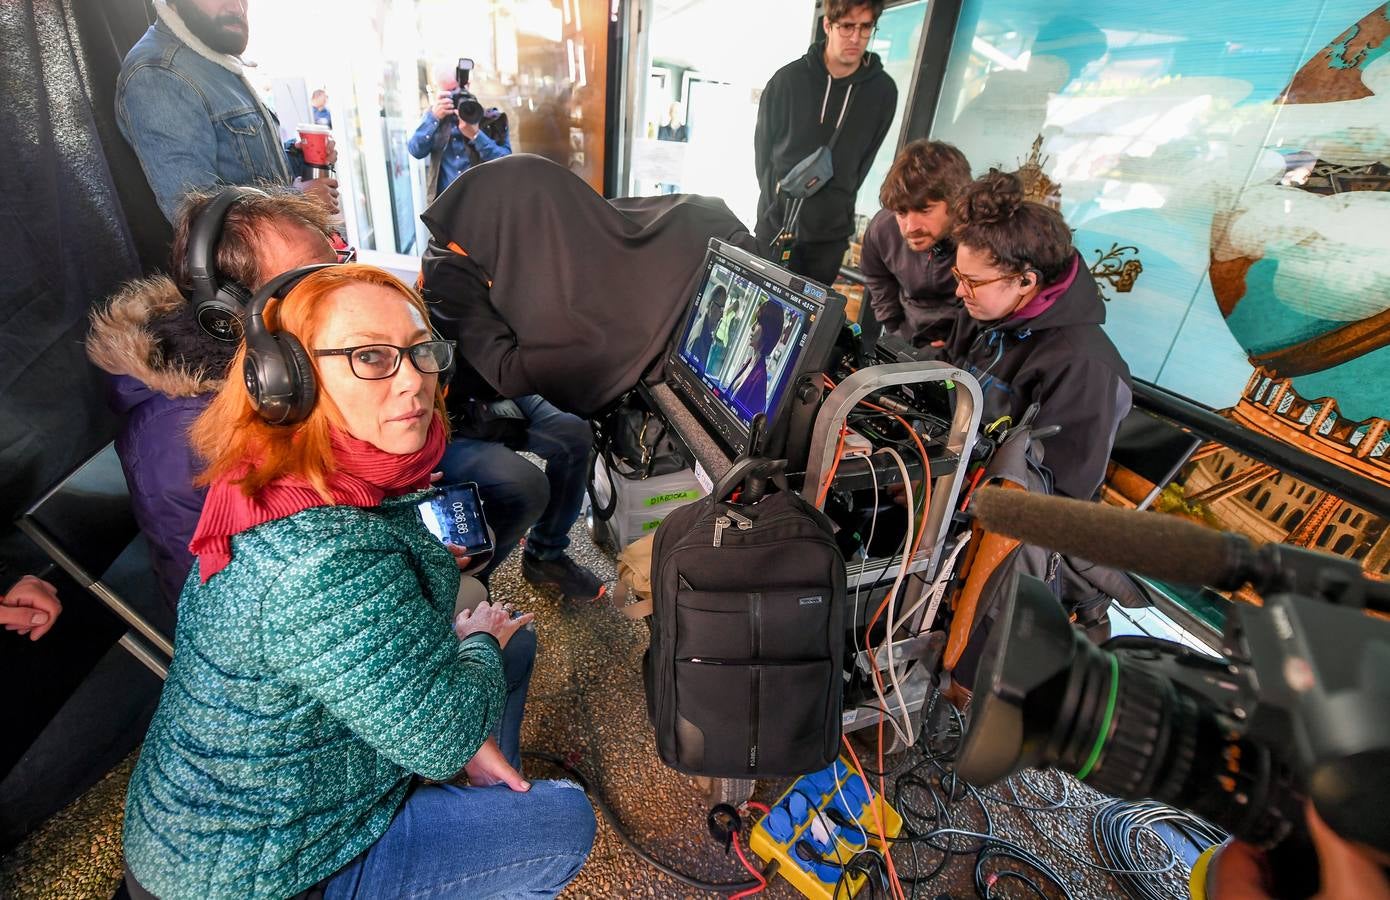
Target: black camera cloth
(580, 294)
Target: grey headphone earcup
(278, 373)
(306, 385)
(280, 379)
(220, 316)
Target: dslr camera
(492, 122)
(1295, 709)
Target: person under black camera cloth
(449, 143)
(1349, 871)
(1030, 330)
(185, 105)
(837, 82)
(165, 370)
(554, 291)
(908, 252)
(319, 671)
(749, 387)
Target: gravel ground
(586, 704)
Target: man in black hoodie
(837, 84)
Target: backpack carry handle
(734, 477)
(756, 472)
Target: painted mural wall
(1226, 169)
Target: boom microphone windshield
(1159, 546)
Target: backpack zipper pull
(744, 523)
(719, 525)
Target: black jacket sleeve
(457, 293)
(1088, 400)
(884, 295)
(770, 114)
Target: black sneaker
(572, 580)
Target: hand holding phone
(454, 514)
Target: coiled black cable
(723, 887)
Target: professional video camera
(492, 122)
(1296, 708)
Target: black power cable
(723, 887)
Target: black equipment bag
(634, 443)
(743, 675)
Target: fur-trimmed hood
(145, 332)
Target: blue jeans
(475, 842)
(517, 495)
(517, 659)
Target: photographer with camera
(457, 132)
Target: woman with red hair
(319, 672)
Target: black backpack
(743, 675)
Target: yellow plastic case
(800, 814)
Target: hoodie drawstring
(826, 99)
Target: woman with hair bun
(1033, 334)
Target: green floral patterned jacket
(311, 678)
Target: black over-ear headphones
(217, 305)
(277, 372)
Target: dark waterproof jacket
(550, 289)
(796, 115)
(913, 293)
(163, 375)
(1062, 360)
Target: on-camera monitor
(751, 329)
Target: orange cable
(878, 818)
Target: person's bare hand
(332, 156)
(461, 557)
(1238, 871)
(30, 608)
(488, 767)
(443, 106)
(468, 129)
(494, 619)
(324, 190)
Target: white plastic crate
(643, 503)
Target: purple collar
(1042, 301)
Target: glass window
(708, 61)
(897, 41)
(542, 63)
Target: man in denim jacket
(185, 105)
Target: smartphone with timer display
(453, 513)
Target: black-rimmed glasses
(373, 362)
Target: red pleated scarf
(365, 476)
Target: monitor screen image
(743, 341)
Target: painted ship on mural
(1318, 346)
